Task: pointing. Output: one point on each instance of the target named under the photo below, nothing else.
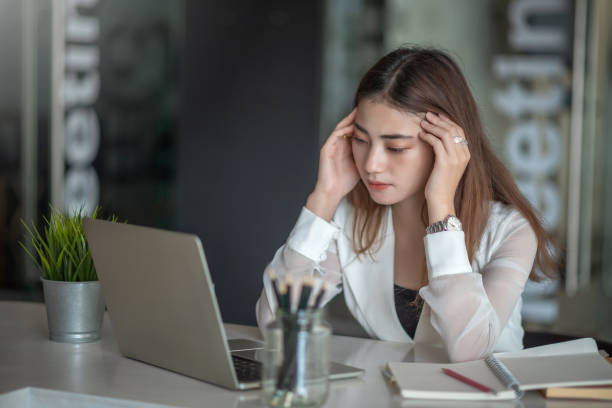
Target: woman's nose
(375, 162)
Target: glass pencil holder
(296, 360)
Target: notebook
(599, 392)
(576, 363)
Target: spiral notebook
(539, 369)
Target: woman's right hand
(338, 173)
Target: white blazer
(469, 309)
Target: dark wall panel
(248, 135)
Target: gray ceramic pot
(74, 310)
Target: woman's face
(393, 162)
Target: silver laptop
(163, 308)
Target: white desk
(29, 359)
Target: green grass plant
(61, 251)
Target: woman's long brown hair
(415, 79)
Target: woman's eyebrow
(391, 136)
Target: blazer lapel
(371, 284)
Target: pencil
(283, 297)
(289, 284)
(467, 381)
(307, 284)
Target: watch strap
(445, 225)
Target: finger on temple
(447, 120)
(438, 121)
(347, 130)
(435, 129)
(435, 142)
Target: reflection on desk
(29, 359)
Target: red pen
(467, 381)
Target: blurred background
(207, 117)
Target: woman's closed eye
(391, 149)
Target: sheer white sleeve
(309, 250)
(469, 310)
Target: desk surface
(29, 359)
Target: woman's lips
(378, 186)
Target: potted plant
(73, 295)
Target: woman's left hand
(450, 161)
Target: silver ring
(459, 139)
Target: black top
(407, 312)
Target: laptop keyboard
(247, 370)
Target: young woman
(415, 219)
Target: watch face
(453, 224)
